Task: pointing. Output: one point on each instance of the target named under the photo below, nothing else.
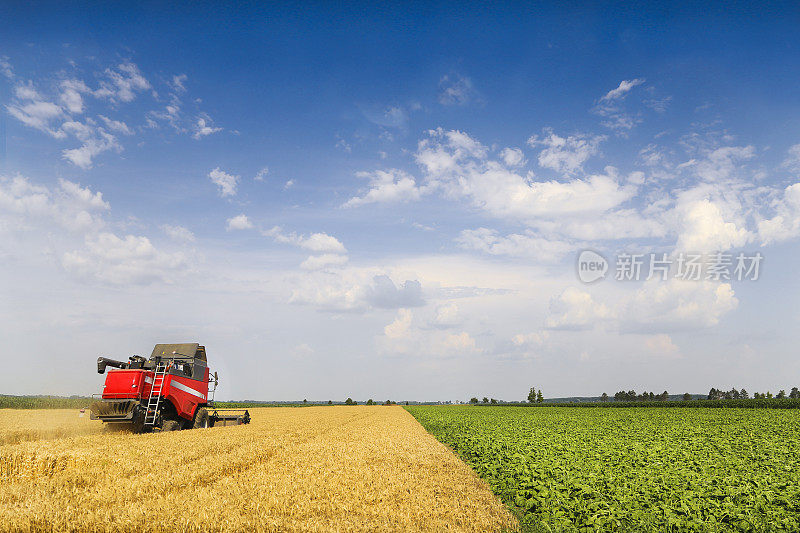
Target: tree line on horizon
(631, 396)
(713, 394)
(536, 396)
(733, 394)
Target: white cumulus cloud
(178, 233)
(316, 242)
(677, 305)
(227, 183)
(575, 309)
(566, 154)
(318, 262)
(512, 157)
(785, 224)
(239, 222)
(385, 187)
(123, 261)
(517, 245)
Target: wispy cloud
(455, 89)
(622, 89)
(5, 68)
(262, 174)
(122, 83)
(610, 106)
(204, 127)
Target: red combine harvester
(169, 391)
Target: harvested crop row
(313, 469)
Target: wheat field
(20, 425)
(291, 469)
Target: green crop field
(657, 469)
(42, 402)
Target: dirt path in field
(292, 469)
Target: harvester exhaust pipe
(103, 362)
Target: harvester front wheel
(201, 419)
(170, 425)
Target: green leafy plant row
(629, 469)
(750, 403)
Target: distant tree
(485, 399)
(370, 402)
(349, 401)
(686, 396)
(719, 394)
(781, 394)
(604, 397)
(539, 397)
(794, 393)
(743, 394)
(664, 396)
(532, 395)
(769, 394)
(473, 400)
(493, 400)
(406, 402)
(305, 401)
(389, 402)
(330, 402)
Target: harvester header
(168, 391)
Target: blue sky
(389, 201)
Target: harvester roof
(186, 349)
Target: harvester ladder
(154, 399)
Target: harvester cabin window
(190, 368)
(184, 367)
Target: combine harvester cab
(169, 391)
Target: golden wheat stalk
(313, 469)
